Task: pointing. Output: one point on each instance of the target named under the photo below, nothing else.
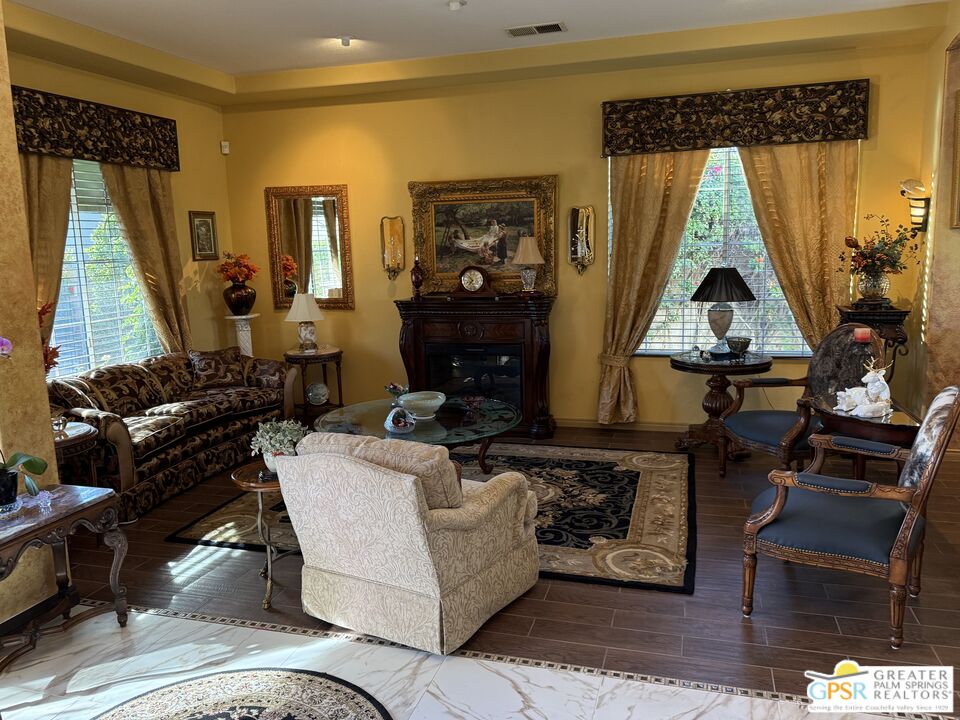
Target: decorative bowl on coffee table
(422, 405)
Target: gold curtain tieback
(613, 360)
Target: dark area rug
(274, 693)
(608, 516)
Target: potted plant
(237, 270)
(10, 471)
(884, 252)
(277, 437)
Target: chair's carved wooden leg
(915, 565)
(749, 576)
(898, 604)
(722, 449)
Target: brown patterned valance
(50, 124)
(741, 118)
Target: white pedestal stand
(244, 340)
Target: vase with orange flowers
(288, 266)
(882, 253)
(237, 270)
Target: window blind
(101, 317)
(722, 232)
(324, 274)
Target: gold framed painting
(460, 223)
(203, 235)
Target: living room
(385, 114)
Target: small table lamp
(304, 310)
(528, 257)
(722, 286)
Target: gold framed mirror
(308, 234)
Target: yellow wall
(548, 126)
(200, 184)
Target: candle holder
(391, 245)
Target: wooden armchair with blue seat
(854, 525)
(836, 364)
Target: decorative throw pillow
(430, 463)
(217, 368)
(173, 372)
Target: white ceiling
(249, 36)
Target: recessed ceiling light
(345, 40)
(455, 5)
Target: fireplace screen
(493, 371)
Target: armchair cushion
(853, 527)
(832, 484)
(430, 463)
(767, 427)
(217, 368)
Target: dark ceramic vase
(8, 487)
(240, 298)
(289, 288)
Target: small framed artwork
(203, 235)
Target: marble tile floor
(98, 665)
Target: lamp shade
(527, 252)
(723, 285)
(304, 309)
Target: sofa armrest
(113, 430)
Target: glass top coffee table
(458, 422)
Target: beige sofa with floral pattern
(170, 421)
(394, 547)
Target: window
(722, 232)
(324, 273)
(101, 317)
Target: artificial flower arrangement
(6, 348)
(237, 268)
(51, 354)
(277, 437)
(288, 266)
(884, 252)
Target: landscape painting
(459, 223)
(481, 233)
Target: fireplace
(497, 347)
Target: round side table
(717, 399)
(77, 438)
(324, 355)
(247, 478)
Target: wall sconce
(916, 194)
(582, 237)
(391, 245)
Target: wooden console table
(71, 507)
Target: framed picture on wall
(203, 235)
(464, 223)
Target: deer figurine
(870, 401)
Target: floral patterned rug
(609, 516)
(267, 694)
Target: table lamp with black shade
(722, 286)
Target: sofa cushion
(195, 413)
(430, 463)
(173, 372)
(242, 400)
(151, 434)
(124, 389)
(217, 368)
(71, 392)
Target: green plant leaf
(30, 485)
(29, 463)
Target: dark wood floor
(805, 618)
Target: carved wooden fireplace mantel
(497, 346)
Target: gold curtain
(330, 217)
(805, 200)
(46, 192)
(144, 204)
(296, 236)
(652, 196)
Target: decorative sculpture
(870, 401)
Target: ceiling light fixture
(455, 5)
(345, 40)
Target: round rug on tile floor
(265, 694)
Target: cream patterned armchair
(391, 545)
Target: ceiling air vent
(541, 29)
